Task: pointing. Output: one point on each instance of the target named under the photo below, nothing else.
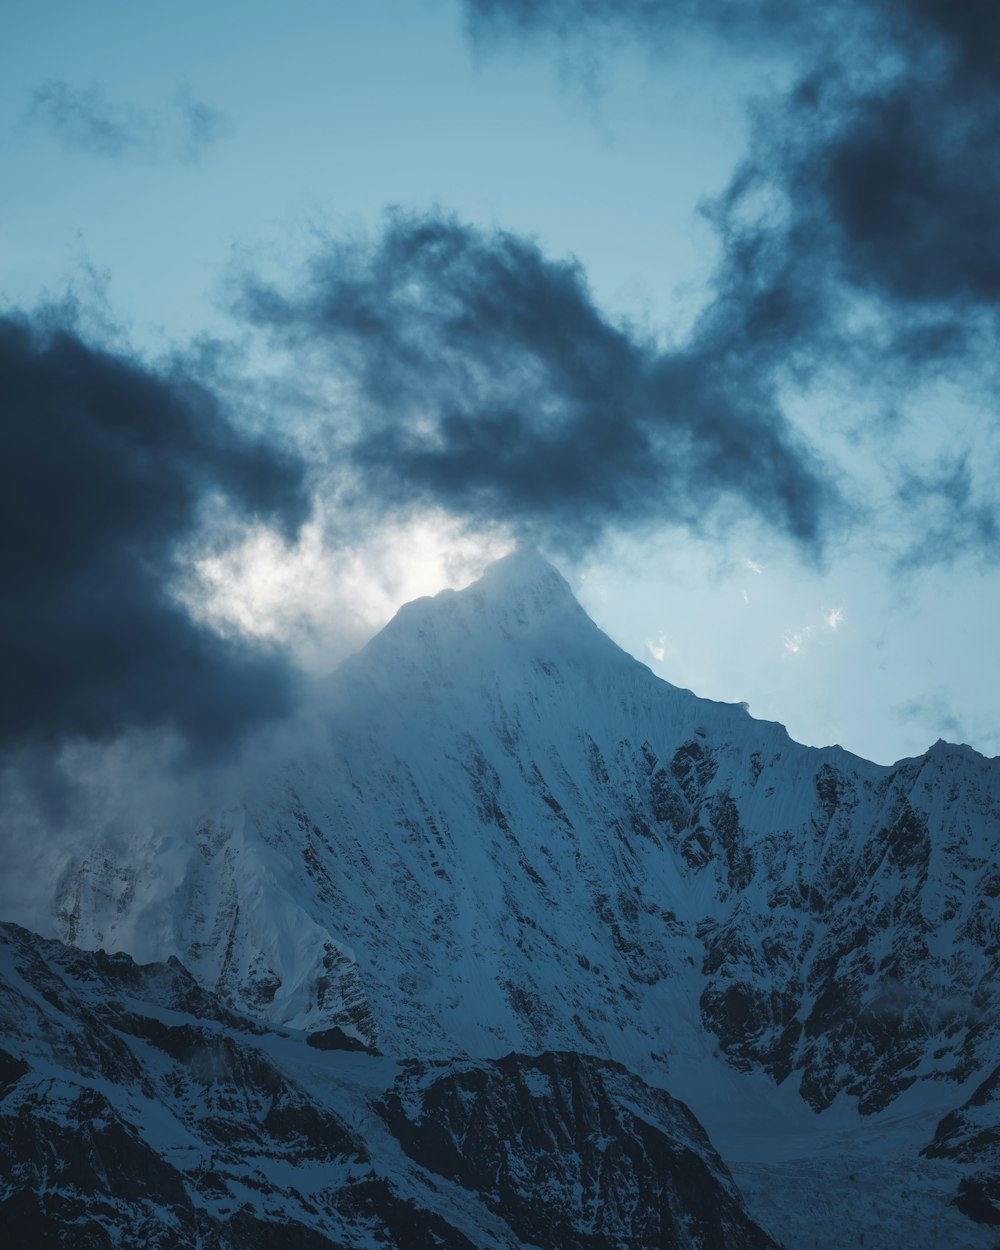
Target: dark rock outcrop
(574, 1152)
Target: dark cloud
(84, 119)
(107, 470)
(884, 153)
(859, 234)
(887, 188)
(489, 384)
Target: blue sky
(329, 113)
(202, 191)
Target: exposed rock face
(137, 1110)
(574, 1152)
(971, 1135)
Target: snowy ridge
(508, 835)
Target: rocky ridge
(138, 1110)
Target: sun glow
(323, 600)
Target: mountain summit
(509, 835)
(520, 601)
(523, 571)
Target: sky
(308, 309)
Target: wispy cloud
(933, 712)
(959, 505)
(201, 124)
(796, 640)
(658, 648)
(86, 120)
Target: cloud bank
(107, 469)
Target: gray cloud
(859, 233)
(121, 713)
(84, 119)
(488, 383)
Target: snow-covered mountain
(508, 835)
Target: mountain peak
(524, 571)
(522, 592)
(519, 600)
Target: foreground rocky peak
(137, 1109)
